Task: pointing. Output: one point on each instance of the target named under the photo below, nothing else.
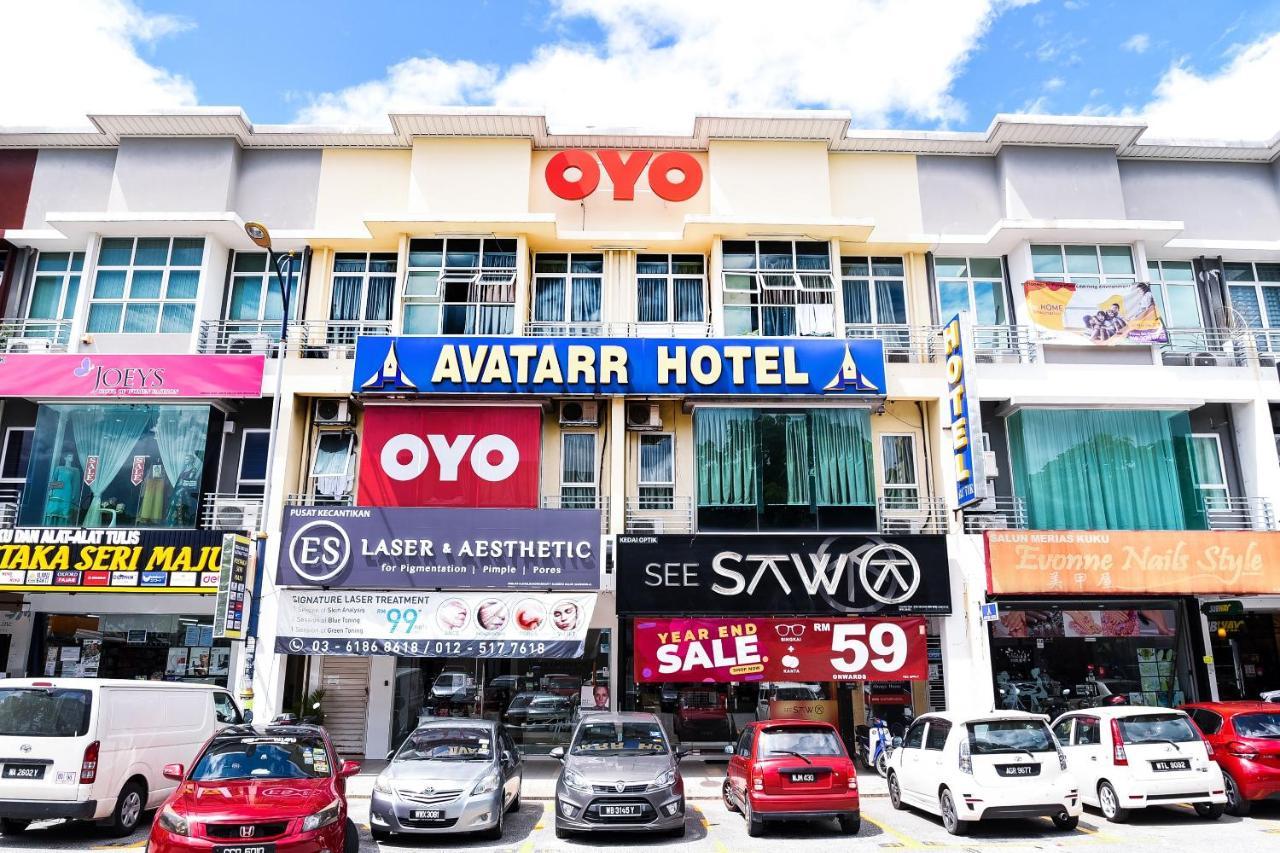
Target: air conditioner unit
(988, 521)
(1204, 359)
(579, 413)
(27, 345)
(235, 515)
(990, 467)
(249, 345)
(332, 411)
(643, 416)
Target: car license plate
(804, 777)
(426, 814)
(24, 771)
(244, 848)
(620, 811)
(1018, 769)
(1171, 764)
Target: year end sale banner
(1094, 314)
(731, 650)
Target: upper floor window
(1083, 264)
(975, 285)
(1254, 290)
(1209, 470)
(460, 286)
(56, 286)
(875, 291)
(778, 288)
(146, 285)
(669, 288)
(567, 288)
(251, 476)
(364, 283)
(1173, 284)
(255, 290)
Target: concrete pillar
(382, 685)
(966, 649)
(1256, 446)
(617, 464)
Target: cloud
(66, 58)
(1137, 43)
(1053, 84)
(661, 62)
(1236, 102)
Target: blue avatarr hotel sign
(509, 365)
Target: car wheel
(129, 806)
(494, 833)
(950, 816)
(755, 825)
(895, 792)
(727, 793)
(1066, 822)
(678, 832)
(350, 837)
(850, 824)
(13, 826)
(1109, 803)
(515, 804)
(380, 835)
(1237, 805)
(1210, 811)
(561, 832)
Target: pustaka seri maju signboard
(61, 559)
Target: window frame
(568, 276)
(313, 478)
(267, 278)
(655, 499)
(240, 479)
(1104, 279)
(937, 723)
(765, 280)
(1225, 486)
(365, 275)
(594, 485)
(1258, 285)
(870, 279)
(670, 277)
(968, 279)
(65, 312)
(1159, 285)
(884, 485)
(473, 276)
(4, 453)
(130, 271)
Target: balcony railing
(658, 514)
(230, 512)
(998, 344)
(18, 335)
(10, 502)
(921, 344)
(1207, 348)
(903, 515)
(570, 500)
(996, 513)
(311, 339)
(305, 499)
(617, 330)
(1231, 513)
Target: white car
(1130, 757)
(1005, 764)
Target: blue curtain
(688, 299)
(345, 302)
(586, 300)
(548, 300)
(1084, 469)
(727, 462)
(778, 321)
(651, 299)
(857, 300)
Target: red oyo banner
(745, 649)
(463, 456)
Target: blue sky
(1189, 68)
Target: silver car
(620, 774)
(449, 775)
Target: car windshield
(813, 740)
(1157, 728)
(439, 743)
(699, 699)
(265, 757)
(997, 736)
(1258, 725)
(521, 700)
(44, 712)
(602, 738)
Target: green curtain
(726, 456)
(842, 457)
(1085, 469)
(797, 434)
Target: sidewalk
(702, 779)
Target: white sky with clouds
(660, 63)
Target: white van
(95, 749)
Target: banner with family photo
(1095, 314)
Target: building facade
(756, 421)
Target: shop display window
(158, 647)
(103, 465)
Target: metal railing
(570, 500)
(311, 339)
(1002, 512)
(1207, 348)
(1238, 513)
(921, 344)
(312, 499)
(993, 344)
(220, 511)
(10, 503)
(911, 514)
(594, 329)
(658, 514)
(21, 335)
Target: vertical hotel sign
(229, 614)
(968, 476)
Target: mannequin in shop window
(155, 488)
(186, 494)
(62, 501)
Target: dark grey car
(620, 774)
(449, 775)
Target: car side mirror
(349, 768)
(897, 742)
(391, 755)
(683, 753)
(174, 772)
(558, 753)
(728, 750)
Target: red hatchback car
(792, 770)
(278, 789)
(1245, 737)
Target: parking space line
(132, 846)
(904, 839)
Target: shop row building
(779, 417)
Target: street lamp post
(282, 266)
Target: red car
(792, 770)
(279, 789)
(1245, 737)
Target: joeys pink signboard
(52, 376)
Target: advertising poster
(229, 614)
(177, 663)
(90, 658)
(731, 650)
(51, 662)
(1094, 314)
(434, 624)
(595, 697)
(198, 662)
(52, 559)
(219, 661)
(457, 456)
(433, 548)
(824, 710)
(60, 375)
(1015, 624)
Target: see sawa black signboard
(811, 574)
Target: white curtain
(109, 433)
(332, 470)
(180, 432)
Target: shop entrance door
(346, 703)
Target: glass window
(146, 285)
(1265, 726)
(1209, 722)
(805, 740)
(1088, 731)
(262, 757)
(936, 739)
(44, 712)
(778, 288)
(364, 285)
(874, 291)
(1062, 731)
(116, 465)
(1157, 728)
(1173, 284)
(54, 293)
(460, 286)
(605, 739)
(253, 461)
(914, 738)
(567, 288)
(224, 708)
(1208, 471)
(578, 469)
(255, 293)
(333, 467)
(898, 457)
(975, 285)
(657, 471)
(669, 288)
(1001, 736)
(17, 453)
(744, 743)
(460, 743)
(1254, 291)
(1083, 264)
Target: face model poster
(219, 661)
(177, 664)
(1094, 314)
(90, 658)
(198, 662)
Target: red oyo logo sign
(464, 456)
(574, 174)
